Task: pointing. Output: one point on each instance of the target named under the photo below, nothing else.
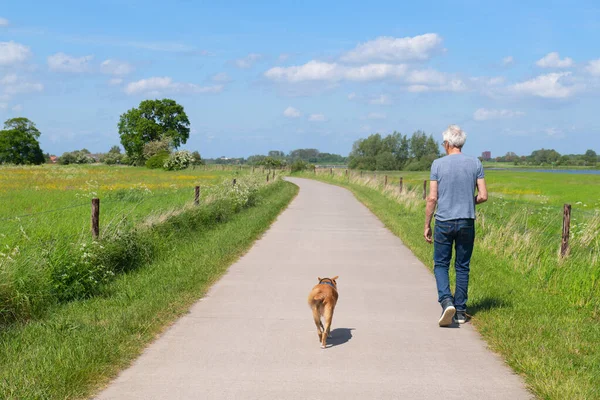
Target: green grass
(74, 349)
(48, 256)
(540, 312)
(134, 192)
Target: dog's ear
(319, 278)
(335, 278)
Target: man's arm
(430, 209)
(482, 194)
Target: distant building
(53, 159)
(486, 155)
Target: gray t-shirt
(456, 175)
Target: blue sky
(260, 76)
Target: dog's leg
(317, 318)
(328, 316)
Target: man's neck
(453, 150)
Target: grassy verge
(79, 346)
(530, 308)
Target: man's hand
(428, 235)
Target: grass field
(73, 349)
(133, 192)
(540, 312)
(46, 250)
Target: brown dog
(322, 300)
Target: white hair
(454, 136)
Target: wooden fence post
(385, 181)
(424, 190)
(564, 246)
(267, 178)
(400, 184)
(330, 171)
(346, 173)
(95, 218)
(197, 195)
(273, 174)
(315, 170)
(234, 181)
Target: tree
(590, 157)
(152, 121)
(276, 154)
(115, 150)
(19, 142)
(197, 158)
(395, 151)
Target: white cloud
(17, 108)
(248, 61)
(221, 77)
(114, 67)
(546, 86)
(593, 67)
(381, 100)
(3, 106)
(115, 81)
(291, 112)
(509, 60)
(392, 49)
(23, 87)
(157, 85)
(316, 118)
(3, 22)
(483, 114)
(375, 115)
(9, 79)
(12, 53)
(352, 96)
(322, 71)
(552, 60)
(12, 84)
(62, 62)
(311, 71)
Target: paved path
(252, 336)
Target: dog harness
(327, 283)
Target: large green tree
(153, 120)
(19, 142)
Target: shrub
(299, 165)
(178, 161)
(156, 147)
(75, 157)
(158, 160)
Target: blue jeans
(461, 233)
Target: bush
(158, 160)
(178, 161)
(299, 165)
(156, 147)
(76, 157)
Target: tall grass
(540, 311)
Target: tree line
(394, 152)
(551, 157)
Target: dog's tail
(315, 299)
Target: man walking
(452, 188)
